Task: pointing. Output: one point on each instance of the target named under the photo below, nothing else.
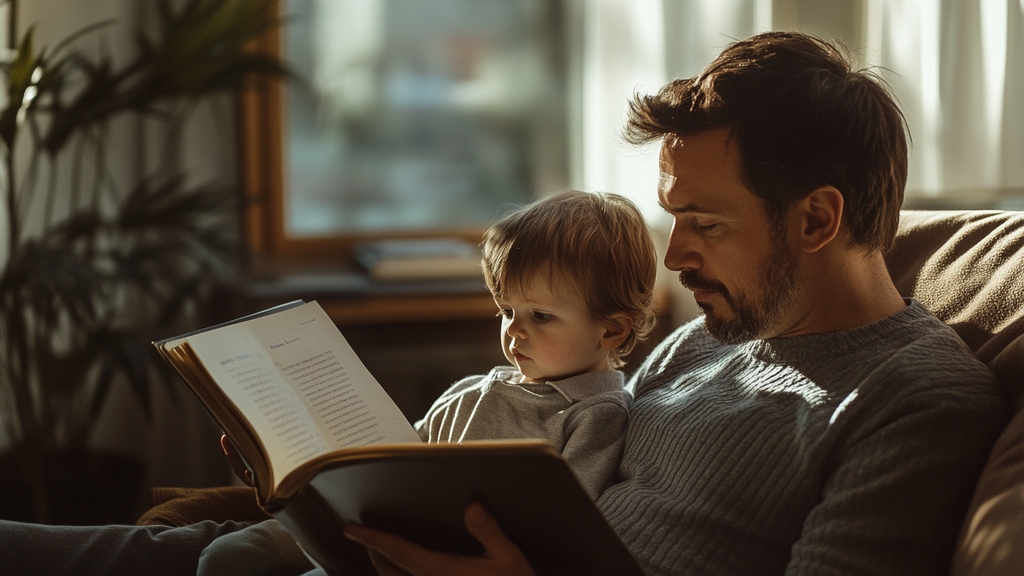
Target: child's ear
(616, 330)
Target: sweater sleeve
(894, 499)
(436, 415)
(595, 435)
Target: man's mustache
(692, 281)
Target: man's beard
(750, 319)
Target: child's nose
(515, 329)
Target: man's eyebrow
(690, 208)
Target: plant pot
(82, 489)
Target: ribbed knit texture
(843, 453)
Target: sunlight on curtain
(698, 30)
(958, 71)
(634, 46)
(623, 52)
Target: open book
(327, 445)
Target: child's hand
(235, 460)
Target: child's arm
(596, 433)
(437, 422)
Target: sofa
(967, 267)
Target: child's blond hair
(598, 244)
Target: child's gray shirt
(584, 417)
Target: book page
(300, 385)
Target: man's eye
(704, 227)
(541, 316)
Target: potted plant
(91, 271)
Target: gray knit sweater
(843, 453)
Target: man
(813, 421)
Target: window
(408, 117)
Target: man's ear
(616, 329)
(817, 218)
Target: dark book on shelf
(418, 259)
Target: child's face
(548, 333)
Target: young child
(573, 278)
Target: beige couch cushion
(968, 268)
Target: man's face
(723, 244)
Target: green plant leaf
(19, 81)
(82, 294)
(202, 49)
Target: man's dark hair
(803, 117)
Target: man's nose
(682, 253)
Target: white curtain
(637, 46)
(623, 51)
(957, 67)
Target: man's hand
(394, 556)
(237, 464)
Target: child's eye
(505, 312)
(541, 316)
